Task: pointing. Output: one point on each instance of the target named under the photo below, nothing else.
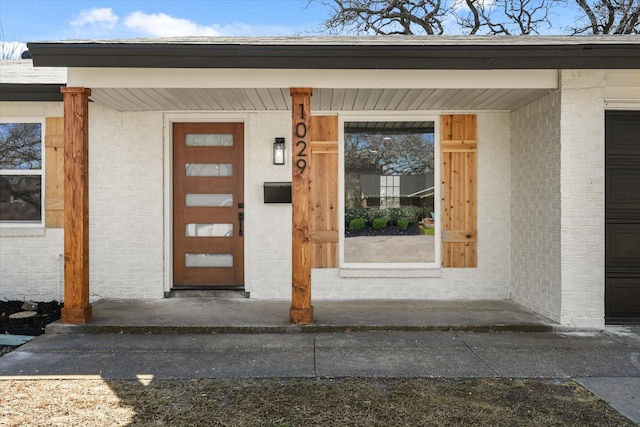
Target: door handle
(240, 221)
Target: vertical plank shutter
(459, 217)
(324, 192)
(54, 166)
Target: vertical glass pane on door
(209, 140)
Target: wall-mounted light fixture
(278, 151)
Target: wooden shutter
(54, 166)
(324, 191)
(459, 217)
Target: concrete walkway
(209, 315)
(404, 339)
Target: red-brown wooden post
(77, 309)
(301, 311)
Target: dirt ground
(291, 402)
(303, 402)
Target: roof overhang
(383, 73)
(30, 92)
(376, 52)
(21, 81)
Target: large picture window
(21, 172)
(389, 192)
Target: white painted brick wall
(31, 263)
(535, 208)
(583, 202)
(32, 267)
(558, 202)
(268, 226)
(125, 204)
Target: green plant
(357, 224)
(379, 223)
(394, 214)
(427, 231)
(352, 213)
(411, 214)
(402, 224)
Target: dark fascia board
(30, 92)
(468, 56)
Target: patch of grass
(306, 402)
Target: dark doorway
(622, 217)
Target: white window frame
(431, 269)
(29, 172)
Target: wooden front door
(622, 216)
(208, 205)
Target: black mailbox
(277, 192)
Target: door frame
(190, 117)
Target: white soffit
(279, 99)
(334, 90)
(622, 86)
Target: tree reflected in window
(20, 172)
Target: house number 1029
(301, 144)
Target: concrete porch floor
(238, 315)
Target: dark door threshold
(207, 292)
(622, 321)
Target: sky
(45, 20)
(22, 21)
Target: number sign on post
(301, 311)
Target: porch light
(278, 151)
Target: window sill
(22, 231)
(393, 273)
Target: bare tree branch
(608, 17)
(506, 17)
(388, 17)
(492, 17)
(472, 21)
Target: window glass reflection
(389, 192)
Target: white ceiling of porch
(278, 99)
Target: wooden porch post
(77, 309)
(301, 309)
